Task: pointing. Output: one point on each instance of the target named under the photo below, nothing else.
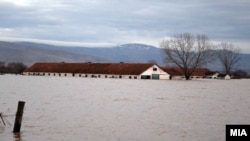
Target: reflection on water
(17, 136)
(5, 134)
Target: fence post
(19, 116)
(2, 119)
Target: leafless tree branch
(188, 52)
(228, 56)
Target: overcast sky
(114, 22)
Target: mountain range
(29, 53)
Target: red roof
(174, 71)
(200, 71)
(91, 68)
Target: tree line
(12, 67)
(189, 52)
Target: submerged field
(94, 109)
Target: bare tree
(16, 67)
(188, 52)
(228, 56)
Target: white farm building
(99, 70)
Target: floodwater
(98, 109)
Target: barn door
(155, 76)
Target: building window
(135, 77)
(80, 75)
(120, 76)
(106, 76)
(154, 69)
(145, 77)
(65, 74)
(48, 74)
(86, 75)
(99, 76)
(59, 74)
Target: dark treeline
(12, 67)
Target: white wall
(227, 77)
(152, 70)
(83, 75)
(156, 70)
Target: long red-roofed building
(112, 70)
(101, 70)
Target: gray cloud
(116, 22)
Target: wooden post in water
(2, 119)
(19, 116)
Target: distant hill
(124, 53)
(30, 53)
